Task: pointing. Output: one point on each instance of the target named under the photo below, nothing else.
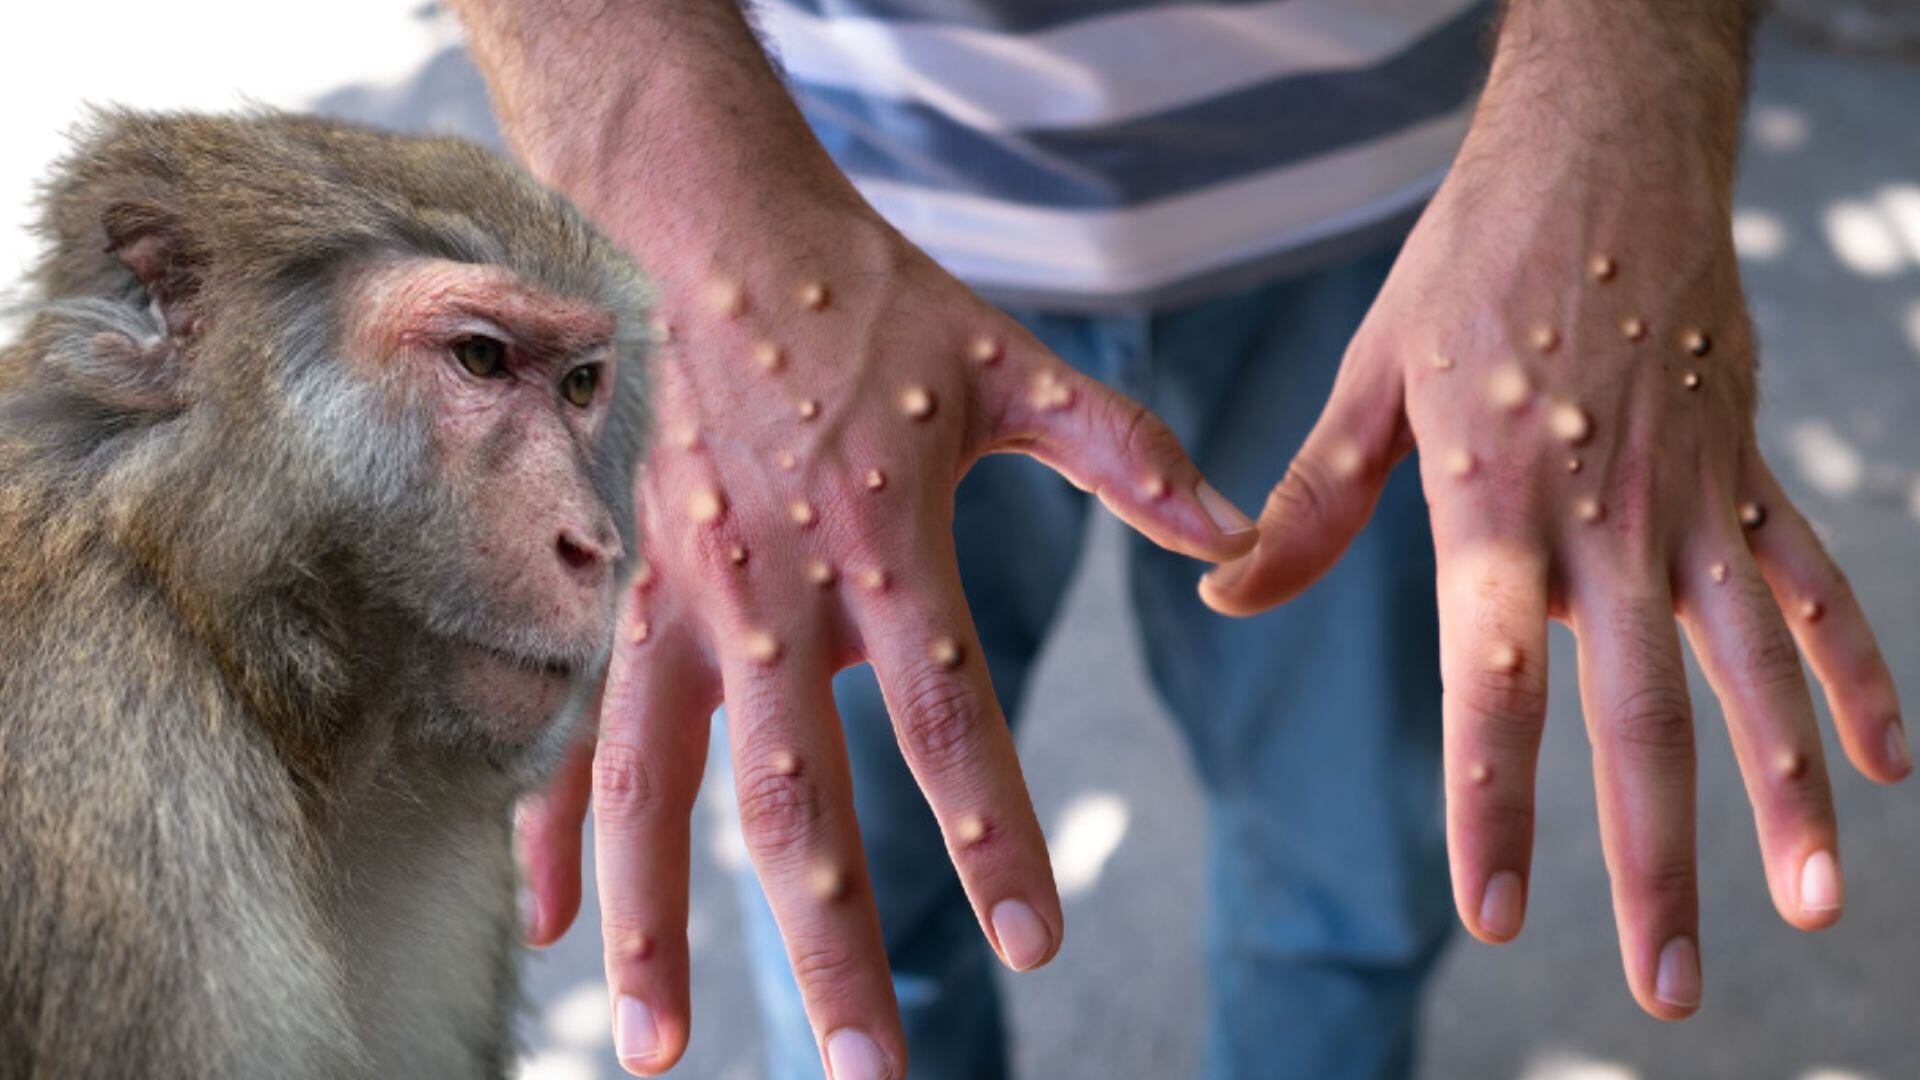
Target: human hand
(818, 404)
(1564, 337)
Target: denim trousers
(1315, 727)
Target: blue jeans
(1315, 727)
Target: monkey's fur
(246, 827)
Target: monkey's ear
(150, 240)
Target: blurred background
(1827, 223)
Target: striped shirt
(1116, 154)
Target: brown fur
(241, 831)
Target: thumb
(1107, 443)
(1325, 498)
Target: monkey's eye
(579, 385)
(483, 357)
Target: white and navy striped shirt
(1100, 154)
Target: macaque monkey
(316, 463)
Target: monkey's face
(511, 575)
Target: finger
(1831, 629)
(1493, 650)
(795, 792)
(646, 771)
(1749, 658)
(547, 839)
(1324, 499)
(957, 743)
(1111, 445)
(1634, 693)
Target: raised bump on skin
(762, 647)
(1460, 463)
(643, 576)
(1509, 388)
(787, 462)
(1588, 509)
(706, 506)
(808, 408)
(662, 330)
(1154, 488)
(1696, 342)
(876, 480)
(1811, 609)
(820, 573)
(640, 631)
(916, 402)
(634, 945)
(737, 555)
(874, 579)
(1634, 328)
(723, 297)
(1791, 764)
(1050, 392)
(814, 296)
(1543, 338)
(1752, 515)
(946, 652)
(1571, 423)
(685, 436)
(1504, 658)
(1573, 465)
(769, 356)
(1442, 362)
(827, 882)
(786, 763)
(1691, 380)
(802, 513)
(972, 829)
(986, 350)
(1719, 572)
(1344, 459)
(1479, 773)
(1602, 267)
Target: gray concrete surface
(1829, 229)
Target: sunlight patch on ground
(1559, 1065)
(1780, 128)
(579, 1020)
(1863, 239)
(1089, 831)
(1826, 461)
(1834, 1074)
(557, 1065)
(1758, 236)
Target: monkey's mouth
(556, 667)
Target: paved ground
(1829, 228)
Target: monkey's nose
(583, 555)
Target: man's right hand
(818, 402)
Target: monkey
(317, 450)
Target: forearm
(1654, 87)
(663, 119)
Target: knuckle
(1671, 884)
(940, 718)
(1655, 723)
(823, 969)
(1504, 815)
(1507, 708)
(777, 811)
(623, 786)
(1304, 493)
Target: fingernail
(1820, 886)
(1678, 981)
(853, 1056)
(1897, 749)
(1500, 905)
(634, 1036)
(529, 914)
(1023, 937)
(1226, 516)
